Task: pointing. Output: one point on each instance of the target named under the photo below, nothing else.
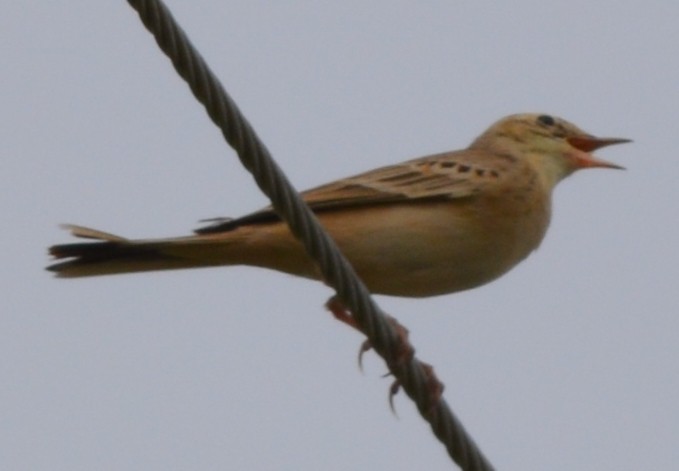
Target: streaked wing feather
(446, 175)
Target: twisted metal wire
(412, 375)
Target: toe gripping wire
(414, 377)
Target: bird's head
(555, 147)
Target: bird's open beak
(587, 144)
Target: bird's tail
(111, 254)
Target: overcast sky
(568, 362)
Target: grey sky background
(568, 362)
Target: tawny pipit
(434, 225)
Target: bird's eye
(546, 120)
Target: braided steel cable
(413, 376)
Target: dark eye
(546, 120)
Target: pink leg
(404, 352)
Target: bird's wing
(448, 175)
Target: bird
(435, 225)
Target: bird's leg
(404, 352)
(342, 314)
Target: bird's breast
(433, 248)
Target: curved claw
(434, 388)
(393, 391)
(402, 354)
(365, 346)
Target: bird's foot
(433, 386)
(404, 350)
(402, 356)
